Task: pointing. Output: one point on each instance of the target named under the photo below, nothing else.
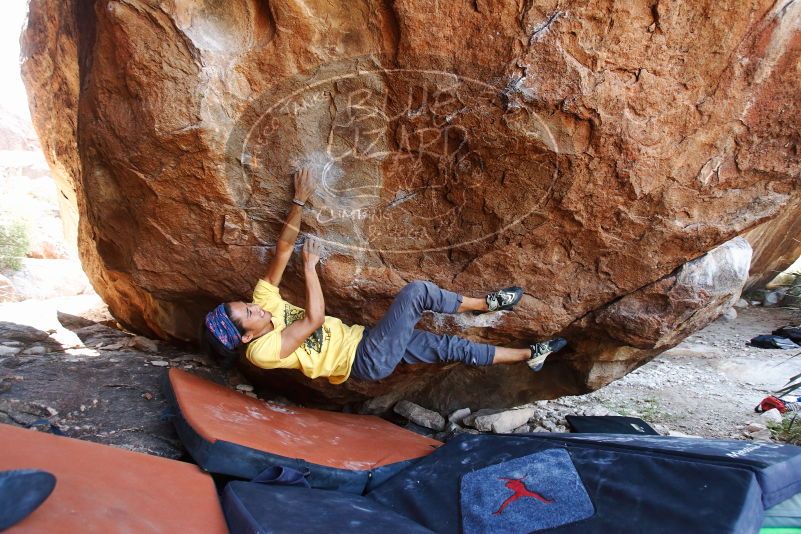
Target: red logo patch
(520, 490)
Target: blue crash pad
(777, 467)
(251, 508)
(630, 491)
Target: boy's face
(251, 317)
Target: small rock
(541, 403)
(458, 415)
(755, 303)
(7, 291)
(742, 303)
(539, 429)
(35, 350)
(772, 416)
(772, 298)
(754, 427)
(147, 395)
(244, 387)
(523, 429)
(470, 420)
(729, 315)
(251, 395)
(144, 344)
(762, 435)
(419, 415)
(114, 346)
(52, 411)
(159, 363)
(550, 426)
(5, 350)
(504, 422)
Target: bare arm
(304, 185)
(295, 334)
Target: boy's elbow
(317, 319)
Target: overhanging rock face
(607, 343)
(584, 153)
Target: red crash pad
(104, 489)
(332, 439)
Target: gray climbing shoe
(541, 350)
(504, 299)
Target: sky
(12, 91)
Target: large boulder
(583, 153)
(776, 246)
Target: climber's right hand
(305, 182)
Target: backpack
(772, 342)
(770, 402)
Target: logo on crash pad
(520, 491)
(546, 492)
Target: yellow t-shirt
(329, 351)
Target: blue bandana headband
(223, 328)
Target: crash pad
(785, 514)
(629, 491)
(251, 507)
(609, 424)
(105, 489)
(777, 466)
(229, 433)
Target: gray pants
(395, 339)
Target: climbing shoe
(21, 492)
(543, 349)
(504, 299)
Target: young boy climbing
(278, 334)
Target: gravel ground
(706, 386)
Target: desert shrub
(13, 243)
(789, 430)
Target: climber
(278, 334)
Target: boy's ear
(247, 338)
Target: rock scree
(584, 152)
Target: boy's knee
(417, 287)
